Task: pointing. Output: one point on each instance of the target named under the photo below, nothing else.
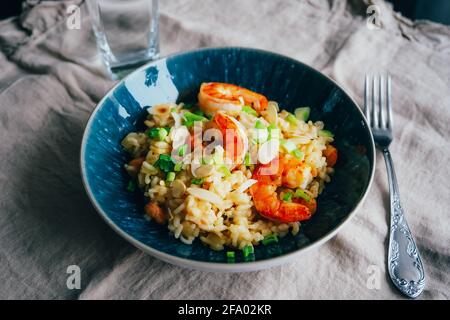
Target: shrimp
(232, 140)
(216, 96)
(134, 166)
(331, 154)
(283, 171)
(155, 212)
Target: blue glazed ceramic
(178, 78)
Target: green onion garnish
(178, 166)
(259, 125)
(287, 196)
(225, 171)
(297, 153)
(158, 133)
(131, 186)
(182, 150)
(231, 254)
(165, 163)
(199, 113)
(250, 257)
(272, 238)
(207, 160)
(247, 250)
(291, 119)
(250, 110)
(274, 132)
(326, 133)
(247, 160)
(189, 116)
(302, 113)
(299, 193)
(198, 181)
(170, 176)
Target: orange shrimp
(134, 166)
(155, 212)
(232, 141)
(331, 154)
(280, 172)
(216, 96)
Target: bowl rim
(219, 266)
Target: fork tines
(377, 101)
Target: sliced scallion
(299, 193)
(250, 110)
(287, 196)
(182, 150)
(198, 181)
(272, 238)
(297, 153)
(247, 250)
(291, 119)
(302, 113)
(170, 176)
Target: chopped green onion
(326, 133)
(165, 163)
(274, 132)
(250, 110)
(297, 153)
(261, 132)
(247, 160)
(287, 196)
(189, 123)
(182, 150)
(272, 238)
(178, 166)
(247, 250)
(158, 133)
(207, 160)
(231, 254)
(189, 116)
(173, 109)
(291, 119)
(259, 125)
(288, 145)
(197, 181)
(131, 186)
(170, 176)
(299, 193)
(302, 113)
(250, 257)
(225, 171)
(199, 113)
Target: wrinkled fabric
(51, 78)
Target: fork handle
(404, 263)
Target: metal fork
(404, 263)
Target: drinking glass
(126, 32)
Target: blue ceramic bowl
(177, 78)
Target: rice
(220, 211)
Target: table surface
(51, 79)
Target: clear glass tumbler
(126, 31)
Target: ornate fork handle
(404, 263)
